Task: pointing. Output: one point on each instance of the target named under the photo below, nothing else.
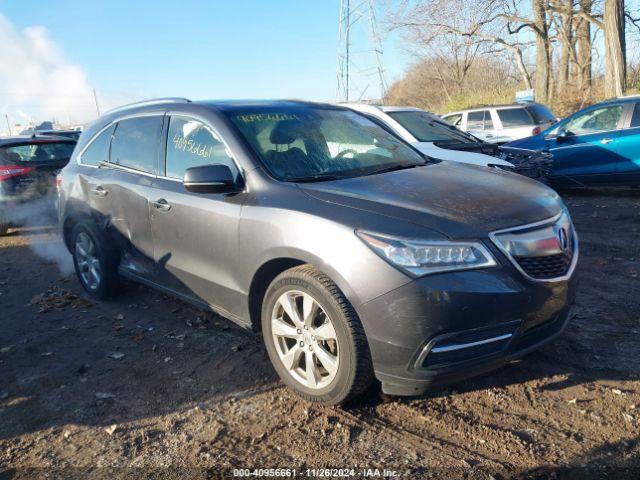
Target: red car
(28, 169)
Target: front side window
(308, 143)
(38, 152)
(135, 143)
(476, 120)
(514, 117)
(596, 120)
(98, 149)
(191, 143)
(425, 129)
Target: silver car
(357, 257)
(503, 123)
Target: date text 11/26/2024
(315, 473)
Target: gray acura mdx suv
(356, 256)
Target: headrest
(284, 132)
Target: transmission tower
(361, 67)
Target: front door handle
(162, 205)
(604, 141)
(99, 191)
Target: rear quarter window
(515, 117)
(98, 149)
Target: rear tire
(95, 262)
(314, 338)
(4, 229)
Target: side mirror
(210, 179)
(563, 134)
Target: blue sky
(198, 49)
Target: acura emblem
(563, 239)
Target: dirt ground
(91, 390)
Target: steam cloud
(35, 77)
(39, 214)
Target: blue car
(596, 146)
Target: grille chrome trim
(543, 223)
(460, 346)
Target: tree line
(561, 49)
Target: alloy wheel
(305, 339)
(88, 261)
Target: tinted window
(190, 144)
(135, 143)
(425, 129)
(312, 143)
(635, 119)
(514, 117)
(98, 149)
(38, 152)
(597, 120)
(541, 114)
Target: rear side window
(515, 117)
(98, 149)
(135, 143)
(541, 114)
(635, 118)
(191, 143)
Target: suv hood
(473, 158)
(458, 201)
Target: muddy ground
(90, 390)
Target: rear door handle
(162, 205)
(604, 141)
(99, 191)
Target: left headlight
(423, 257)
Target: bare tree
(615, 49)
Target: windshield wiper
(393, 168)
(320, 177)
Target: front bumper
(443, 328)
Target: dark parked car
(73, 134)
(28, 169)
(355, 256)
(597, 146)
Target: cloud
(37, 80)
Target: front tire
(314, 338)
(95, 263)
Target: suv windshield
(426, 129)
(310, 143)
(37, 152)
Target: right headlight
(423, 257)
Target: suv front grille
(544, 268)
(544, 251)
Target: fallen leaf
(111, 429)
(116, 355)
(615, 391)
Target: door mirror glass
(210, 179)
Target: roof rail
(633, 95)
(152, 101)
